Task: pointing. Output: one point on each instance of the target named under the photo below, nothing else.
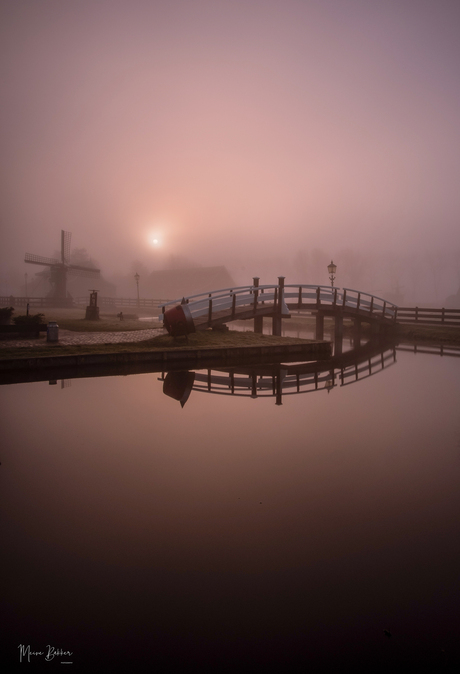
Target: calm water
(234, 533)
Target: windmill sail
(65, 246)
(39, 259)
(60, 269)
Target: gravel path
(67, 337)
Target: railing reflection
(280, 380)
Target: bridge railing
(309, 294)
(365, 302)
(256, 386)
(232, 299)
(339, 297)
(227, 299)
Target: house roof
(171, 284)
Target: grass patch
(214, 338)
(74, 319)
(108, 324)
(203, 339)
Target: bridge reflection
(281, 379)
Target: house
(171, 284)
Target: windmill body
(59, 270)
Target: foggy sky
(229, 128)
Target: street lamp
(331, 268)
(137, 277)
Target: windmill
(60, 269)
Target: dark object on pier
(5, 315)
(52, 332)
(25, 327)
(92, 311)
(178, 321)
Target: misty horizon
(264, 136)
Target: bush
(5, 314)
(36, 319)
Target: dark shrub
(36, 319)
(5, 315)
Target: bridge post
(279, 387)
(258, 320)
(376, 328)
(338, 334)
(277, 316)
(357, 332)
(319, 326)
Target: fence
(103, 302)
(34, 302)
(428, 316)
(113, 302)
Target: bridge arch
(277, 301)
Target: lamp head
(331, 268)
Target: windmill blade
(65, 246)
(39, 259)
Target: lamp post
(25, 276)
(137, 277)
(331, 268)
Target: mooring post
(258, 320)
(277, 315)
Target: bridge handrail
(223, 299)
(236, 290)
(370, 295)
(210, 293)
(222, 302)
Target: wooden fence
(428, 316)
(103, 302)
(33, 302)
(113, 302)
(432, 349)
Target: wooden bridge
(257, 302)
(277, 301)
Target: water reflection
(278, 380)
(236, 536)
